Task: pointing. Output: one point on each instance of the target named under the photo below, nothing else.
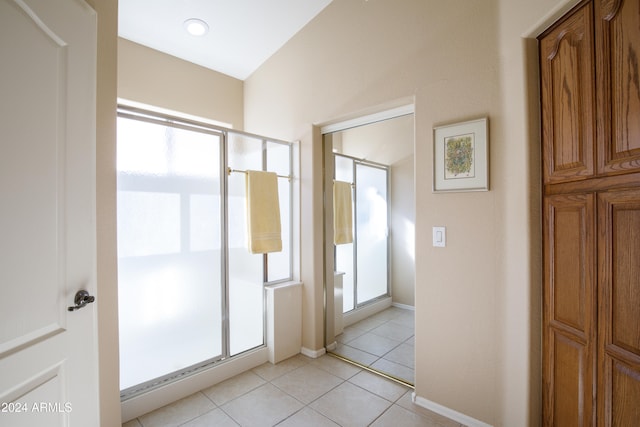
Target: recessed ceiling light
(196, 27)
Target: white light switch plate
(439, 237)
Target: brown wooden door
(570, 310)
(618, 81)
(619, 312)
(568, 88)
(590, 79)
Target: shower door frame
(362, 162)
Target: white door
(48, 355)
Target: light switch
(439, 237)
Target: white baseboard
(314, 354)
(447, 412)
(332, 346)
(404, 306)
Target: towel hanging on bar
(263, 212)
(342, 216)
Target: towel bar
(229, 170)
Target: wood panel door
(590, 92)
(619, 308)
(618, 82)
(569, 331)
(568, 88)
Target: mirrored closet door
(369, 273)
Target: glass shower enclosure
(365, 262)
(190, 293)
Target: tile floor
(384, 342)
(298, 392)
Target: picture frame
(461, 156)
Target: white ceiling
(242, 33)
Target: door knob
(82, 298)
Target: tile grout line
(271, 382)
(308, 405)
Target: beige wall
(148, 76)
(478, 299)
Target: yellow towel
(263, 212)
(342, 217)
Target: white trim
(332, 346)
(404, 306)
(314, 354)
(447, 412)
(370, 118)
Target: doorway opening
(370, 282)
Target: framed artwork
(461, 156)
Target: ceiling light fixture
(196, 27)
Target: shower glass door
(372, 232)
(169, 249)
(365, 262)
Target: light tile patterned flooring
(384, 342)
(298, 392)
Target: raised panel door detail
(569, 256)
(619, 317)
(39, 401)
(625, 287)
(625, 394)
(569, 310)
(31, 158)
(570, 262)
(570, 365)
(568, 98)
(618, 72)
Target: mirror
(370, 281)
